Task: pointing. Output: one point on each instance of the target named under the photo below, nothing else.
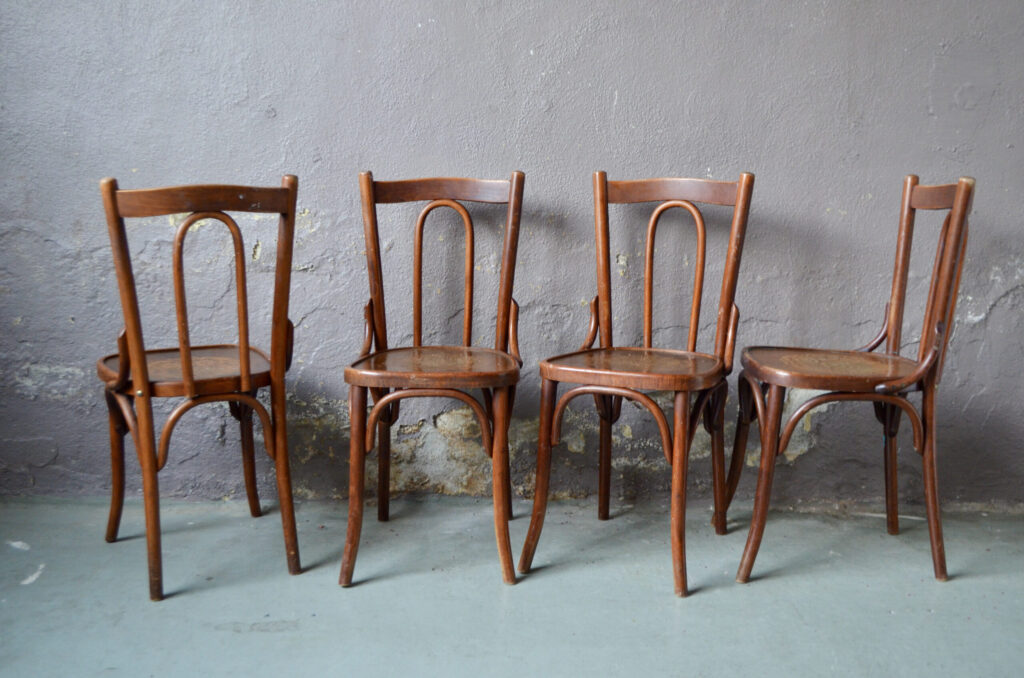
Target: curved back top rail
(210, 201)
(949, 256)
(155, 202)
(442, 192)
(683, 193)
(452, 188)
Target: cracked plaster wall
(829, 103)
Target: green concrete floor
(832, 596)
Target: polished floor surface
(831, 595)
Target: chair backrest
(956, 200)
(202, 203)
(450, 193)
(672, 193)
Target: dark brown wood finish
(231, 373)
(389, 375)
(611, 373)
(885, 379)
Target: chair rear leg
(118, 428)
(892, 504)
(540, 494)
(718, 480)
(680, 454)
(357, 457)
(243, 413)
(383, 470)
(714, 422)
(931, 485)
(500, 482)
(745, 414)
(769, 450)
(508, 478)
(604, 478)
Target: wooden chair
(231, 373)
(885, 379)
(611, 373)
(393, 374)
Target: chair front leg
(680, 455)
(548, 392)
(500, 482)
(118, 429)
(145, 447)
(769, 452)
(356, 463)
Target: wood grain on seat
(652, 369)
(434, 366)
(824, 369)
(215, 368)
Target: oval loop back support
(675, 192)
(181, 305)
(417, 280)
(449, 192)
(698, 277)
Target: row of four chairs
(384, 375)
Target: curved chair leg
(508, 493)
(357, 458)
(931, 482)
(383, 470)
(714, 422)
(118, 428)
(540, 495)
(680, 453)
(243, 413)
(744, 416)
(604, 478)
(283, 476)
(769, 449)
(500, 482)
(508, 477)
(145, 445)
(889, 416)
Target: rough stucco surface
(830, 104)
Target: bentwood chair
(886, 379)
(393, 374)
(231, 372)
(611, 373)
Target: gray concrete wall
(829, 103)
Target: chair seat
(434, 367)
(650, 369)
(215, 369)
(824, 369)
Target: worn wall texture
(829, 103)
